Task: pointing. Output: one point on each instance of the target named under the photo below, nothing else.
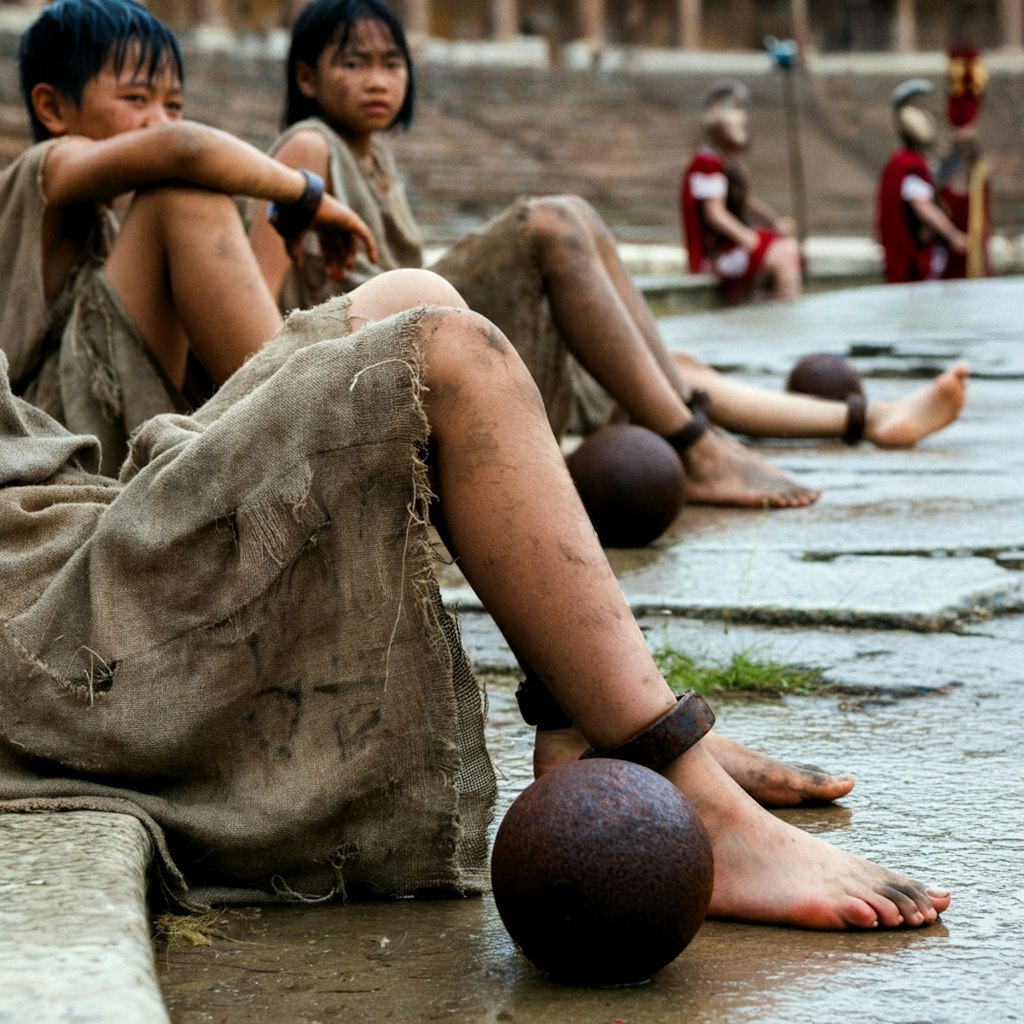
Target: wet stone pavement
(903, 585)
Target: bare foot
(905, 421)
(770, 782)
(720, 471)
(771, 872)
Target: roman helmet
(914, 125)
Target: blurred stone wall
(618, 134)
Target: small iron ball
(602, 872)
(825, 375)
(631, 482)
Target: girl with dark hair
(547, 272)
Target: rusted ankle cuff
(689, 435)
(657, 746)
(538, 706)
(856, 418)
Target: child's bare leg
(771, 782)
(527, 549)
(608, 327)
(185, 272)
(759, 412)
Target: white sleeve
(709, 186)
(914, 187)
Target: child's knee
(464, 348)
(555, 218)
(183, 204)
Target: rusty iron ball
(631, 482)
(825, 375)
(602, 872)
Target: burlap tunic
(241, 641)
(79, 358)
(493, 268)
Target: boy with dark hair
(100, 323)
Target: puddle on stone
(939, 797)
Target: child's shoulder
(34, 154)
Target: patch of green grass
(743, 674)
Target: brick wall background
(484, 134)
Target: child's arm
(303, 149)
(82, 170)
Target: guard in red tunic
(726, 231)
(963, 174)
(910, 224)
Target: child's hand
(340, 230)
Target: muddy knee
(555, 221)
(464, 350)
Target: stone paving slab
(925, 594)
(74, 927)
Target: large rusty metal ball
(825, 375)
(602, 872)
(631, 482)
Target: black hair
(71, 40)
(330, 23)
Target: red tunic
(909, 245)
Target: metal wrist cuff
(665, 739)
(291, 219)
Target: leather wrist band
(291, 219)
(689, 435)
(657, 746)
(538, 706)
(856, 418)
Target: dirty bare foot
(770, 782)
(720, 471)
(771, 872)
(905, 421)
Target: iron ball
(602, 872)
(631, 482)
(825, 375)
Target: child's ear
(50, 107)
(305, 78)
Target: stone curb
(74, 927)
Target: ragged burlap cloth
(241, 641)
(78, 356)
